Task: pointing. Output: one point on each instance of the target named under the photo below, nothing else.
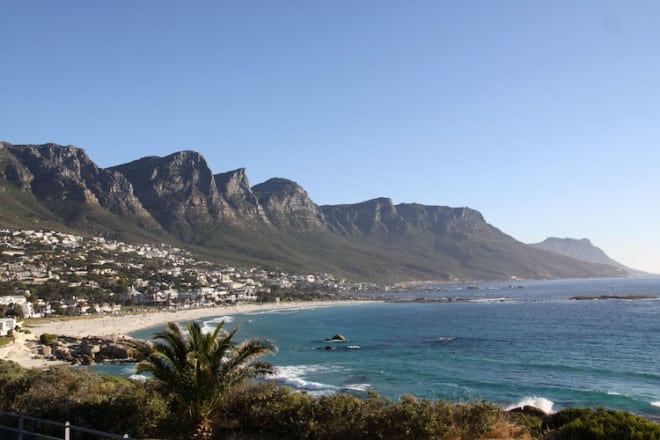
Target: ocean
(527, 343)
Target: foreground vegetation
(267, 411)
(200, 390)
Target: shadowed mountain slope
(178, 199)
(581, 249)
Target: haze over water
(512, 345)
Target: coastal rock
(62, 353)
(46, 351)
(529, 410)
(92, 349)
(337, 338)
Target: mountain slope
(61, 185)
(580, 249)
(178, 199)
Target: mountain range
(581, 249)
(177, 199)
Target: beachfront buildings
(49, 272)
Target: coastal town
(50, 273)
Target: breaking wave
(539, 402)
(294, 376)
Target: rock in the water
(529, 410)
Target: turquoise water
(510, 345)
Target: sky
(544, 116)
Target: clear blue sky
(544, 116)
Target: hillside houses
(57, 273)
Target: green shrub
(14, 381)
(47, 338)
(267, 411)
(90, 400)
(600, 424)
(271, 412)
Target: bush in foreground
(267, 411)
(599, 424)
(86, 399)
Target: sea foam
(293, 376)
(656, 404)
(218, 320)
(210, 326)
(539, 402)
(362, 387)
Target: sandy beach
(23, 350)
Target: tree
(197, 368)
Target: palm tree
(198, 368)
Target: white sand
(23, 352)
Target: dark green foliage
(197, 369)
(11, 311)
(83, 398)
(600, 424)
(266, 411)
(47, 338)
(14, 381)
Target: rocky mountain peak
(65, 173)
(580, 249)
(233, 182)
(234, 187)
(179, 190)
(60, 172)
(177, 196)
(279, 187)
(288, 205)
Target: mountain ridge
(581, 249)
(275, 223)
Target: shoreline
(23, 350)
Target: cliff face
(287, 205)
(271, 224)
(179, 191)
(12, 171)
(60, 175)
(377, 216)
(234, 187)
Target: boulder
(529, 410)
(63, 354)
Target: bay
(527, 343)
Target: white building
(7, 324)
